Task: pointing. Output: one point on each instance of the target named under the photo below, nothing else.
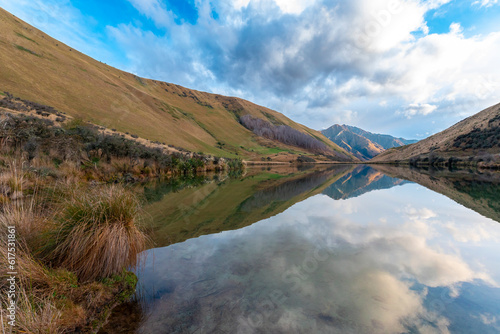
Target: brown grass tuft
(98, 236)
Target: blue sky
(405, 67)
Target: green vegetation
(27, 38)
(481, 191)
(304, 159)
(472, 188)
(473, 141)
(99, 155)
(22, 48)
(77, 229)
(215, 204)
(440, 160)
(479, 138)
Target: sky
(408, 68)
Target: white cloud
(294, 6)
(155, 10)
(415, 109)
(364, 284)
(485, 3)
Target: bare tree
(284, 134)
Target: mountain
(362, 144)
(38, 68)
(474, 138)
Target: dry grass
(35, 309)
(98, 236)
(103, 221)
(36, 312)
(37, 315)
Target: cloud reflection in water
(384, 262)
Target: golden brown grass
(50, 299)
(36, 307)
(37, 315)
(36, 311)
(98, 236)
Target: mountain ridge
(361, 143)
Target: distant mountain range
(362, 144)
(475, 139)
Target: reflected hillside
(359, 181)
(211, 205)
(474, 190)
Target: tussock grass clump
(98, 236)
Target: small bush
(98, 236)
(305, 159)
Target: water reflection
(396, 260)
(220, 204)
(479, 191)
(359, 181)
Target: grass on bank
(73, 245)
(97, 235)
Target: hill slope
(474, 136)
(362, 144)
(39, 68)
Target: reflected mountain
(359, 181)
(187, 208)
(207, 206)
(479, 191)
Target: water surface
(345, 249)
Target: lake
(336, 249)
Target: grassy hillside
(39, 68)
(362, 144)
(475, 139)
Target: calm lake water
(343, 249)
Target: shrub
(305, 159)
(98, 235)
